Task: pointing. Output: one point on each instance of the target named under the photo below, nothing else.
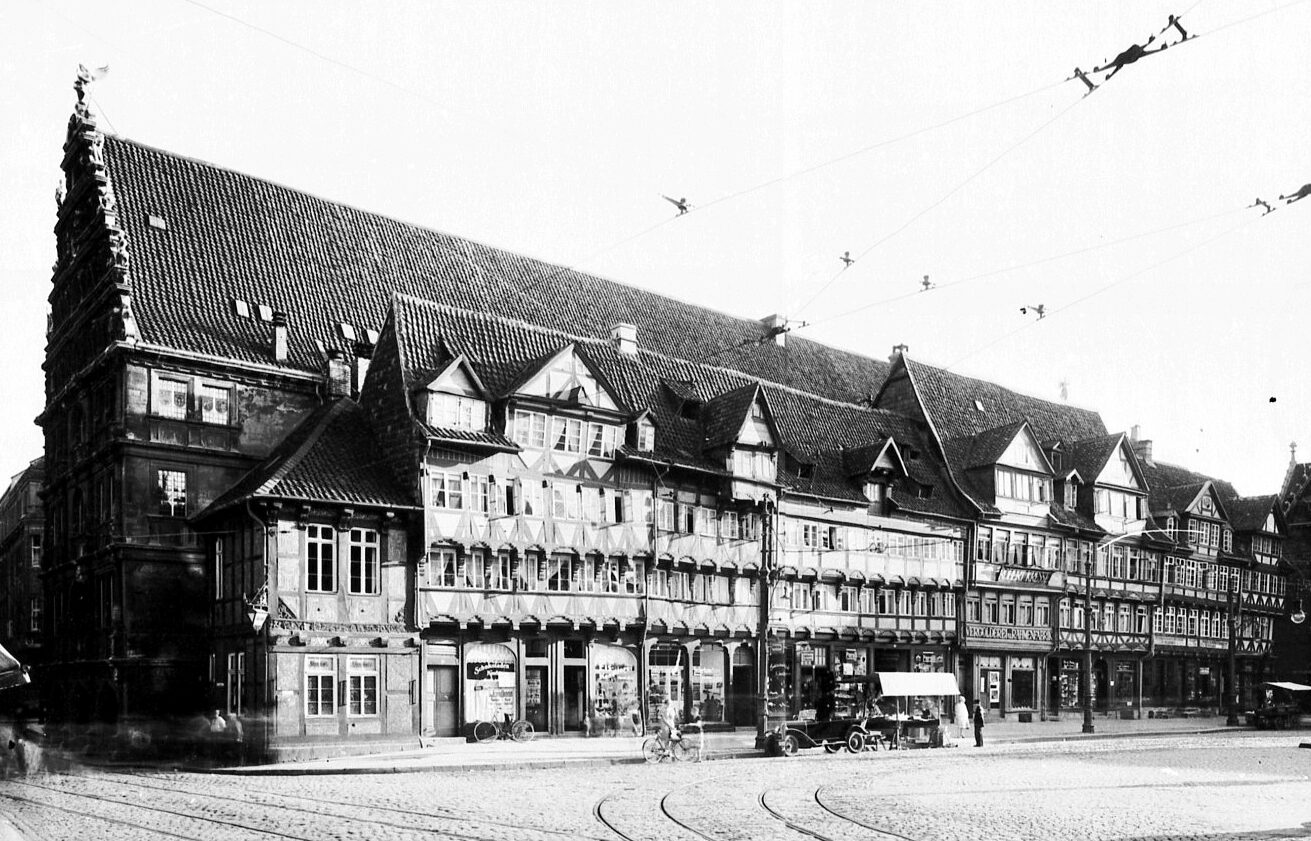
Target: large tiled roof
(813, 427)
(328, 457)
(1249, 513)
(722, 417)
(223, 235)
(950, 400)
(1089, 457)
(985, 448)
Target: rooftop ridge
(599, 342)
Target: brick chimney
(898, 350)
(337, 374)
(279, 336)
(624, 337)
(1142, 449)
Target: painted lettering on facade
(1010, 633)
(1025, 575)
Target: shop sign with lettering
(1009, 633)
(1024, 575)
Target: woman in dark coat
(978, 725)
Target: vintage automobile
(12, 673)
(854, 734)
(1282, 706)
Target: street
(1232, 786)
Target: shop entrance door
(743, 704)
(535, 696)
(990, 688)
(575, 693)
(443, 700)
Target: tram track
(887, 833)
(264, 801)
(455, 818)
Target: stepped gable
(329, 457)
(950, 399)
(814, 428)
(221, 235)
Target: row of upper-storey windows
(1121, 504)
(537, 431)
(871, 601)
(1026, 611)
(1013, 484)
(801, 534)
(565, 500)
(1265, 546)
(1190, 621)
(322, 569)
(182, 397)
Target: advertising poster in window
(489, 680)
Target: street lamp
(1231, 719)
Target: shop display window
(708, 682)
(615, 701)
(665, 679)
(489, 682)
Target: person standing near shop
(962, 717)
(978, 724)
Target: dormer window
(456, 411)
(645, 436)
(876, 492)
(1071, 493)
(1228, 538)
(1171, 526)
(754, 464)
(1012, 484)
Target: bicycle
(680, 749)
(489, 731)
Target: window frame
(317, 688)
(318, 567)
(366, 555)
(357, 699)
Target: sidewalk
(455, 755)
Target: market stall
(914, 707)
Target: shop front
(616, 705)
(490, 683)
(1007, 665)
(818, 679)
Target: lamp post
(1231, 719)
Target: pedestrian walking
(978, 724)
(962, 717)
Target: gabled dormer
(739, 427)
(454, 399)
(1007, 467)
(1206, 522)
(875, 468)
(562, 403)
(1119, 494)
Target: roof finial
(84, 78)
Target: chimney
(279, 337)
(1143, 449)
(363, 356)
(337, 374)
(624, 337)
(898, 350)
(777, 326)
(1133, 434)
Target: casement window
(479, 492)
(1042, 613)
(169, 397)
(990, 610)
(705, 522)
(236, 678)
(172, 487)
(447, 490)
(320, 686)
(728, 529)
(810, 535)
(972, 609)
(634, 576)
(1158, 624)
(1228, 540)
(35, 544)
(567, 500)
(529, 429)
(442, 567)
(920, 605)
(754, 464)
(983, 545)
(602, 438)
(1063, 614)
(34, 616)
(1071, 494)
(567, 435)
(496, 572)
(665, 515)
(1025, 616)
(645, 436)
(456, 411)
(1012, 484)
(362, 686)
(559, 570)
(363, 579)
(1008, 611)
(320, 559)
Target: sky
(945, 139)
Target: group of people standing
(220, 737)
(965, 719)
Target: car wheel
(832, 747)
(855, 741)
(788, 745)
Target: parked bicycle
(682, 747)
(489, 731)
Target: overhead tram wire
(1018, 266)
(944, 197)
(1177, 255)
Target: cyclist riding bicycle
(668, 722)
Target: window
(1026, 612)
(362, 685)
(36, 544)
(1042, 613)
(320, 686)
(364, 562)
(1071, 494)
(972, 609)
(635, 576)
(34, 616)
(567, 435)
(496, 573)
(645, 435)
(1228, 540)
(558, 571)
(169, 399)
(214, 402)
(1063, 614)
(601, 439)
(530, 429)
(441, 567)
(447, 490)
(1012, 484)
(990, 610)
(235, 681)
(1008, 611)
(172, 493)
(320, 566)
(754, 464)
(456, 411)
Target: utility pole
(767, 568)
(1231, 719)
(1087, 643)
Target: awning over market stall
(1291, 687)
(916, 684)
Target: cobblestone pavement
(1221, 787)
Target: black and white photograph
(441, 419)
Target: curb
(466, 767)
